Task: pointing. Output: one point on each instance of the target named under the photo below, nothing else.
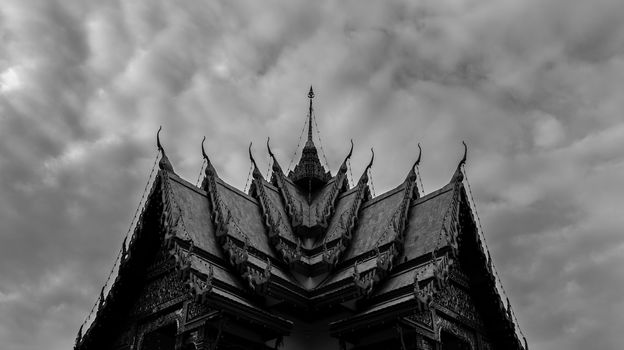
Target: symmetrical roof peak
(397, 260)
(309, 174)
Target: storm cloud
(533, 87)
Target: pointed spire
(164, 163)
(309, 174)
(310, 142)
(458, 176)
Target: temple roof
(385, 252)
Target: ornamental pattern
(458, 300)
(174, 317)
(423, 317)
(457, 330)
(160, 291)
(196, 309)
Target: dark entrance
(161, 339)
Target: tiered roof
(308, 242)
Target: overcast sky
(534, 87)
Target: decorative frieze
(160, 291)
(197, 309)
(423, 317)
(458, 300)
(442, 324)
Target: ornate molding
(346, 224)
(197, 309)
(160, 291)
(258, 279)
(280, 180)
(365, 281)
(385, 260)
(423, 317)
(459, 301)
(425, 292)
(442, 324)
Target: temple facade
(303, 261)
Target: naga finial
(370, 164)
(458, 175)
(164, 163)
(160, 147)
(419, 154)
(251, 156)
(463, 160)
(417, 162)
(343, 167)
(350, 151)
(364, 177)
(204, 151)
(210, 170)
(256, 171)
(269, 148)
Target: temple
(303, 261)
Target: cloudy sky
(534, 87)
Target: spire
(310, 142)
(309, 173)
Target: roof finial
(164, 163)
(160, 147)
(210, 170)
(276, 166)
(343, 167)
(463, 160)
(311, 96)
(370, 164)
(256, 172)
(458, 176)
(269, 148)
(419, 155)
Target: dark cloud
(532, 86)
